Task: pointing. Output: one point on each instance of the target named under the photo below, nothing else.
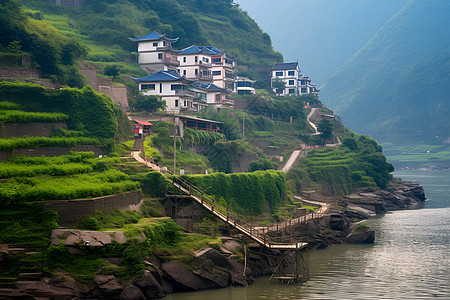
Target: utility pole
(243, 125)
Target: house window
(217, 97)
(303, 82)
(178, 87)
(184, 72)
(205, 59)
(155, 44)
(196, 72)
(291, 73)
(291, 82)
(160, 88)
(217, 73)
(278, 73)
(303, 90)
(147, 87)
(164, 43)
(184, 59)
(196, 59)
(244, 84)
(159, 55)
(217, 60)
(291, 91)
(176, 103)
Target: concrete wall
(71, 211)
(30, 129)
(118, 93)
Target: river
(409, 260)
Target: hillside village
(83, 215)
(203, 76)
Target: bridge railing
(219, 210)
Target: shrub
(361, 227)
(89, 223)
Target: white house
(244, 86)
(223, 69)
(155, 53)
(212, 95)
(295, 82)
(195, 63)
(169, 86)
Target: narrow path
(137, 157)
(290, 162)
(311, 113)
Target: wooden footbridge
(291, 252)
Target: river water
(409, 260)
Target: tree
(147, 103)
(278, 85)
(112, 71)
(326, 127)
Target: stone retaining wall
(19, 72)
(70, 211)
(51, 151)
(8, 130)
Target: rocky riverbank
(229, 264)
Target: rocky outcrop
(363, 237)
(395, 197)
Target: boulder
(12, 294)
(363, 237)
(107, 286)
(214, 256)
(338, 222)
(231, 244)
(43, 290)
(151, 287)
(237, 274)
(184, 280)
(216, 278)
(132, 292)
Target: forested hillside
(105, 27)
(396, 87)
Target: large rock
(43, 290)
(238, 278)
(338, 222)
(107, 287)
(132, 292)
(363, 237)
(184, 280)
(12, 294)
(150, 285)
(214, 256)
(217, 278)
(71, 237)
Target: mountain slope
(321, 34)
(396, 86)
(106, 25)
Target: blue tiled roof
(212, 49)
(201, 49)
(161, 76)
(285, 66)
(152, 37)
(208, 86)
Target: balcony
(205, 64)
(170, 62)
(185, 93)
